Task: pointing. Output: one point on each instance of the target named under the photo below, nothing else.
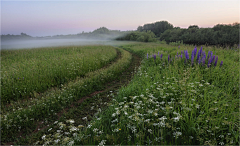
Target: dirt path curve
(83, 107)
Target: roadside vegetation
(22, 116)
(179, 101)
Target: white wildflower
(89, 126)
(102, 143)
(73, 129)
(114, 114)
(150, 131)
(95, 130)
(56, 141)
(221, 143)
(70, 143)
(176, 119)
(43, 137)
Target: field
(136, 93)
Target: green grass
(174, 103)
(169, 103)
(24, 119)
(30, 71)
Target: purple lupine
(177, 53)
(195, 51)
(221, 63)
(203, 53)
(200, 51)
(186, 54)
(213, 58)
(181, 55)
(208, 54)
(215, 64)
(168, 58)
(158, 53)
(203, 58)
(161, 56)
(198, 55)
(178, 47)
(209, 62)
(192, 57)
(154, 57)
(203, 61)
(199, 61)
(147, 55)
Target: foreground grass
(24, 120)
(167, 103)
(30, 71)
(81, 112)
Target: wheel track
(123, 80)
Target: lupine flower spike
(213, 58)
(195, 51)
(203, 61)
(215, 64)
(186, 54)
(221, 63)
(209, 62)
(192, 57)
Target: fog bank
(26, 44)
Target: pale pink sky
(41, 18)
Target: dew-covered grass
(23, 120)
(168, 102)
(27, 72)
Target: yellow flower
(119, 129)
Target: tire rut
(81, 106)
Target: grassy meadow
(179, 95)
(31, 71)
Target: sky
(56, 17)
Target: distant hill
(100, 33)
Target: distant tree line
(220, 34)
(157, 28)
(147, 36)
(100, 33)
(21, 36)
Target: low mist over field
(100, 36)
(21, 44)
